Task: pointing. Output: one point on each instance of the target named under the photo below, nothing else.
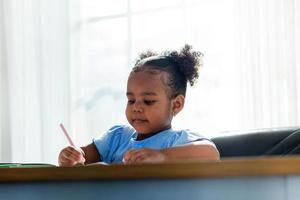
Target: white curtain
(35, 78)
(267, 56)
(68, 61)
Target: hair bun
(188, 62)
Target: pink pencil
(67, 135)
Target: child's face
(149, 109)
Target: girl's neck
(144, 136)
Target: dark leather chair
(259, 142)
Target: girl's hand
(71, 156)
(143, 156)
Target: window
(109, 35)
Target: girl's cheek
(127, 112)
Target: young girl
(156, 91)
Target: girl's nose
(137, 107)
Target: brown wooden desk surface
(263, 166)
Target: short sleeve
(108, 143)
(186, 137)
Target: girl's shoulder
(186, 136)
(187, 132)
(116, 133)
(121, 130)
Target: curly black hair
(182, 67)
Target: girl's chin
(142, 130)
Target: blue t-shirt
(119, 139)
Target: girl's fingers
(139, 158)
(136, 156)
(74, 150)
(128, 154)
(66, 162)
(71, 156)
(144, 155)
(132, 154)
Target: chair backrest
(259, 142)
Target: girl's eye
(130, 102)
(149, 102)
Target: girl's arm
(91, 153)
(200, 150)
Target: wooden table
(269, 178)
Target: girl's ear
(177, 104)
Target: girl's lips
(139, 120)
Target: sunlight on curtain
(36, 85)
(267, 54)
(4, 139)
